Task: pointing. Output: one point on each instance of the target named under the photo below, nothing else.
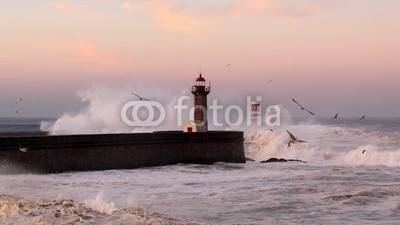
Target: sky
(334, 56)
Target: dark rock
(274, 160)
(281, 160)
(250, 160)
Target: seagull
(23, 149)
(141, 99)
(17, 111)
(335, 117)
(363, 117)
(294, 139)
(363, 151)
(228, 65)
(302, 108)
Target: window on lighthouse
(200, 83)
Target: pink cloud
(279, 8)
(68, 8)
(88, 49)
(87, 55)
(252, 5)
(170, 15)
(175, 16)
(127, 5)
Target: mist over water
(339, 184)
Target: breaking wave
(15, 210)
(103, 110)
(326, 145)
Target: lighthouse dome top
(200, 78)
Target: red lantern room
(200, 86)
(200, 81)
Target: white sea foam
(95, 117)
(325, 145)
(372, 156)
(103, 110)
(100, 205)
(222, 193)
(16, 210)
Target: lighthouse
(200, 92)
(255, 110)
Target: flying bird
(140, 98)
(20, 99)
(23, 149)
(363, 151)
(335, 117)
(228, 65)
(302, 108)
(294, 139)
(363, 117)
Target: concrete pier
(50, 154)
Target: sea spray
(371, 155)
(96, 117)
(326, 145)
(16, 210)
(100, 205)
(103, 110)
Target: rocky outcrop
(281, 160)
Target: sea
(350, 174)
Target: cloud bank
(73, 10)
(175, 15)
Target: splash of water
(103, 110)
(15, 210)
(325, 145)
(100, 205)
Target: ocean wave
(326, 145)
(16, 210)
(375, 193)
